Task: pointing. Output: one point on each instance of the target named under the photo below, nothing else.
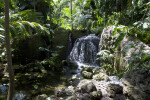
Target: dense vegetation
(45, 19)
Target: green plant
(19, 27)
(106, 61)
(53, 63)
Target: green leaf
(1, 29)
(54, 54)
(60, 47)
(35, 86)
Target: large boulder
(86, 86)
(101, 77)
(136, 84)
(87, 72)
(107, 42)
(64, 92)
(108, 39)
(114, 89)
(131, 52)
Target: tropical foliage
(41, 17)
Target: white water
(84, 52)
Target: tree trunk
(8, 50)
(71, 15)
(118, 5)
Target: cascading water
(84, 52)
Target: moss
(87, 75)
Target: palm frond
(1, 29)
(42, 28)
(2, 38)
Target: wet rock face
(136, 84)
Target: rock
(71, 98)
(83, 96)
(74, 80)
(86, 86)
(88, 69)
(118, 97)
(88, 72)
(131, 52)
(101, 77)
(96, 95)
(65, 92)
(107, 98)
(41, 97)
(61, 93)
(107, 39)
(98, 70)
(54, 97)
(136, 84)
(108, 42)
(113, 89)
(87, 75)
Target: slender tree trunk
(8, 50)
(34, 5)
(118, 5)
(71, 15)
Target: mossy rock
(113, 89)
(87, 75)
(88, 87)
(101, 77)
(88, 69)
(41, 97)
(71, 98)
(96, 95)
(98, 70)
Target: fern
(122, 31)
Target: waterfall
(84, 51)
